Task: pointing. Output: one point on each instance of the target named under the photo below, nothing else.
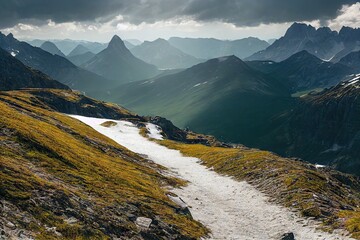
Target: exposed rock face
(323, 43)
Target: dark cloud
(239, 12)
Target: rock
(143, 222)
(288, 236)
(183, 207)
(10, 225)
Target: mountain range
(55, 66)
(207, 48)
(322, 42)
(304, 71)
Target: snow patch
(354, 80)
(154, 131)
(319, 166)
(14, 53)
(229, 208)
(199, 84)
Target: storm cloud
(238, 12)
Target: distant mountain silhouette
(323, 43)
(55, 66)
(51, 48)
(117, 63)
(207, 48)
(163, 55)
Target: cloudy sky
(99, 20)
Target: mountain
(323, 128)
(78, 50)
(351, 40)
(223, 97)
(15, 75)
(51, 48)
(55, 66)
(207, 48)
(304, 71)
(352, 60)
(67, 45)
(80, 55)
(163, 55)
(117, 63)
(80, 59)
(322, 42)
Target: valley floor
(229, 208)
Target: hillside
(62, 179)
(212, 98)
(54, 66)
(15, 75)
(163, 55)
(322, 128)
(352, 60)
(117, 64)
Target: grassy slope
(316, 193)
(54, 167)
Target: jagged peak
(10, 35)
(299, 28)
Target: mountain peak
(299, 29)
(116, 42)
(51, 48)
(10, 35)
